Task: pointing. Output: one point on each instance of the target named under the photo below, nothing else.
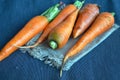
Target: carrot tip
(61, 72)
(63, 63)
(62, 68)
(26, 46)
(75, 35)
(53, 44)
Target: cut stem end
(79, 4)
(113, 13)
(53, 44)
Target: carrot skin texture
(86, 16)
(32, 28)
(62, 32)
(61, 16)
(102, 23)
(59, 36)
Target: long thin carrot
(102, 23)
(32, 28)
(61, 16)
(59, 36)
(86, 16)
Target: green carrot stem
(113, 13)
(79, 4)
(52, 12)
(53, 44)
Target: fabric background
(102, 63)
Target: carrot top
(113, 13)
(53, 44)
(52, 12)
(79, 4)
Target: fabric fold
(54, 57)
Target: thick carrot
(86, 16)
(102, 23)
(59, 36)
(61, 16)
(32, 28)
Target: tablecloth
(102, 63)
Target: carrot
(86, 17)
(32, 28)
(102, 23)
(61, 16)
(59, 36)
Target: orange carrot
(102, 23)
(86, 17)
(32, 28)
(61, 16)
(59, 36)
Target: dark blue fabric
(103, 63)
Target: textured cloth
(102, 63)
(55, 57)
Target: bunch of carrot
(37, 25)
(70, 21)
(103, 22)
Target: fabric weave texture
(102, 63)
